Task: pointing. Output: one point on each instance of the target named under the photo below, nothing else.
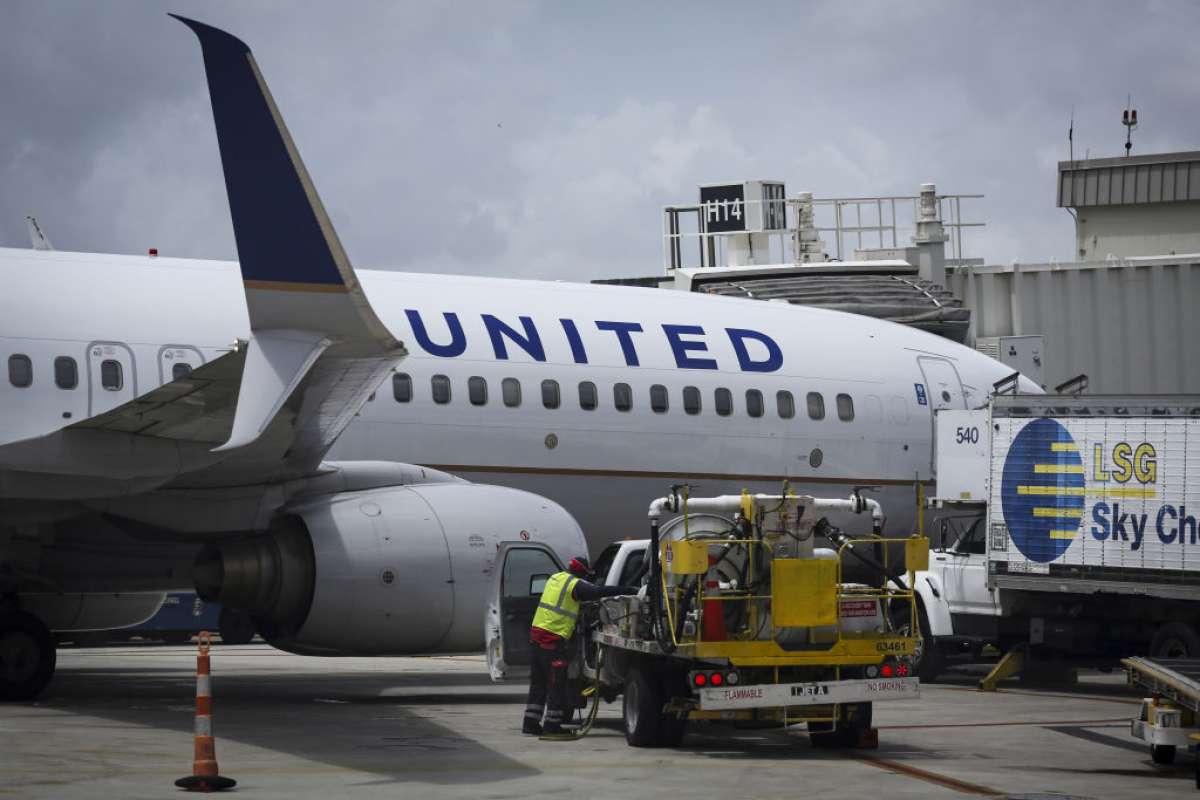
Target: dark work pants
(547, 685)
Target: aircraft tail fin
(295, 271)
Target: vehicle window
(633, 566)
(816, 406)
(441, 389)
(587, 396)
(845, 404)
(785, 404)
(754, 402)
(20, 371)
(691, 400)
(180, 370)
(111, 375)
(66, 372)
(511, 389)
(723, 401)
(604, 562)
(622, 396)
(658, 399)
(521, 565)
(550, 394)
(973, 541)
(402, 387)
(477, 390)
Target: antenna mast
(1129, 120)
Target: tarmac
(117, 722)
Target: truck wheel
(235, 627)
(1175, 640)
(853, 719)
(642, 709)
(1162, 753)
(928, 658)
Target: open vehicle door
(520, 575)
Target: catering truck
(743, 617)
(1074, 530)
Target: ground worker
(553, 624)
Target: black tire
(642, 709)
(853, 719)
(235, 627)
(929, 659)
(1162, 753)
(1175, 640)
(27, 656)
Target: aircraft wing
(270, 409)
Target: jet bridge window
(785, 404)
(622, 396)
(66, 372)
(723, 401)
(441, 389)
(691, 400)
(112, 376)
(845, 404)
(20, 371)
(551, 396)
(402, 387)
(754, 402)
(658, 399)
(511, 389)
(587, 396)
(816, 405)
(477, 390)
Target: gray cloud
(542, 139)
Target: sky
(542, 139)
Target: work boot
(531, 727)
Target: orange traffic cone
(204, 777)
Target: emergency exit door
(177, 361)
(942, 390)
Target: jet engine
(389, 571)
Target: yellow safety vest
(558, 609)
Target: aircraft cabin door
(943, 390)
(521, 572)
(112, 376)
(177, 361)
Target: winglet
(295, 271)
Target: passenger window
(723, 401)
(691, 400)
(477, 390)
(754, 402)
(66, 372)
(180, 370)
(511, 389)
(816, 405)
(587, 396)
(658, 399)
(622, 396)
(20, 371)
(845, 404)
(402, 387)
(785, 404)
(550, 394)
(441, 389)
(111, 375)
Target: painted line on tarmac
(1119, 720)
(935, 778)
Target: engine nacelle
(387, 571)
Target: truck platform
(1167, 719)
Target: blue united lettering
(519, 336)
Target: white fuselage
(149, 314)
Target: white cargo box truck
(1079, 531)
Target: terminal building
(1121, 320)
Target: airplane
(239, 426)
